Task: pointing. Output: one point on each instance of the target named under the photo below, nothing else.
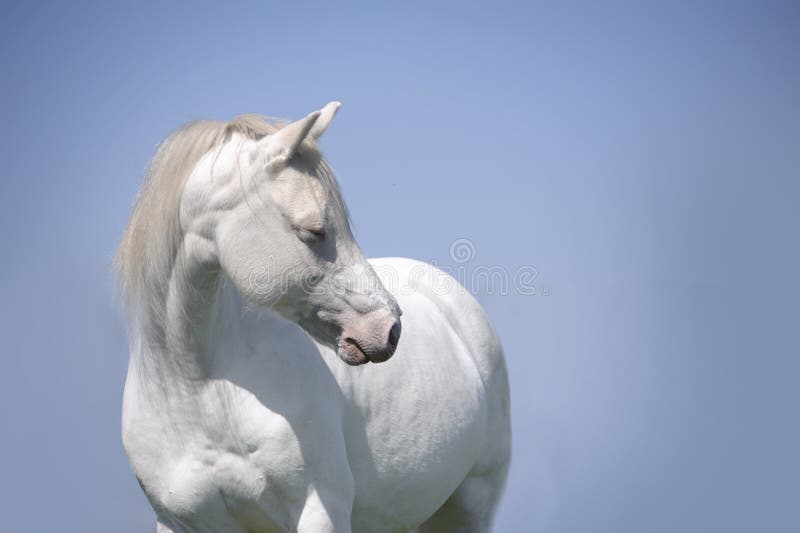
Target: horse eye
(306, 234)
(319, 233)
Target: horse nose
(372, 337)
(386, 335)
(386, 343)
(394, 335)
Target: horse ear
(326, 116)
(282, 144)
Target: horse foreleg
(325, 512)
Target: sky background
(642, 158)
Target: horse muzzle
(370, 338)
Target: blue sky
(643, 158)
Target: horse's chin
(351, 353)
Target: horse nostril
(394, 334)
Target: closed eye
(311, 233)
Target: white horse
(245, 292)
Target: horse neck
(173, 342)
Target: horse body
(239, 414)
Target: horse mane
(146, 255)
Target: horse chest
(242, 467)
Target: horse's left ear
(282, 144)
(326, 115)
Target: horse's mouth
(351, 352)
